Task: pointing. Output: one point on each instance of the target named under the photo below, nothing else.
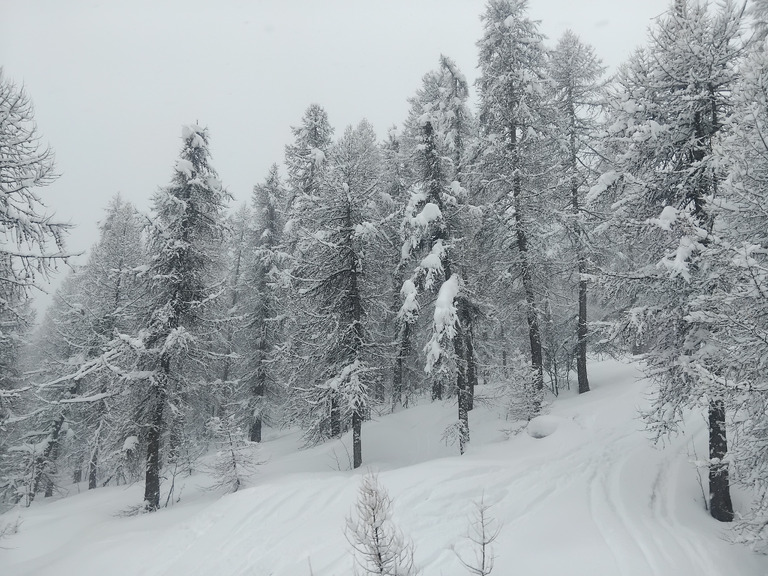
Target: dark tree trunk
(534, 332)
(720, 506)
(581, 328)
(357, 445)
(255, 434)
(335, 419)
(258, 394)
(462, 392)
(92, 467)
(526, 269)
(581, 331)
(469, 349)
(255, 431)
(154, 435)
(437, 390)
(43, 462)
(398, 378)
(52, 466)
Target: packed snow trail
(583, 492)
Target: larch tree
(575, 72)
(33, 241)
(513, 130)
(172, 347)
(333, 339)
(736, 305)
(262, 305)
(434, 222)
(666, 116)
(95, 303)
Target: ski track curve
(644, 536)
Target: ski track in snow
(591, 498)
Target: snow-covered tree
(332, 340)
(34, 242)
(666, 115)
(305, 157)
(173, 346)
(262, 304)
(236, 458)
(575, 72)
(432, 231)
(378, 545)
(513, 128)
(99, 299)
(735, 306)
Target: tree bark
(42, 461)
(462, 392)
(720, 505)
(154, 435)
(469, 350)
(398, 378)
(526, 269)
(357, 446)
(581, 330)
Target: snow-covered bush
(236, 457)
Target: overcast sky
(113, 81)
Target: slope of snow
(583, 492)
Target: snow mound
(542, 426)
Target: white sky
(113, 81)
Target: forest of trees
(474, 254)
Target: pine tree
(667, 113)
(513, 130)
(33, 244)
(435, 219)
(735, 306)
(263, 306)
(173, 342)
(305, 158)
(575, 73)
(333, 341)
(95, 303)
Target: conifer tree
(435, 221)
(513, 131)
(666, 116)
(333, 337)
(575, 75)
(173, 346)
(262, 330)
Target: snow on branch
(444, 326)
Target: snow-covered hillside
(588, 495)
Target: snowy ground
(589, 496)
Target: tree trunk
(534, 332)
(335, 419)
(42, 462)
(720, 506)
(258, 394)
(92, 467)
(469, 350)
(357, 446)
(154, 434)
(398, 378)
(52, 466)
(581, 330)
(526, 269)
(462, 392)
